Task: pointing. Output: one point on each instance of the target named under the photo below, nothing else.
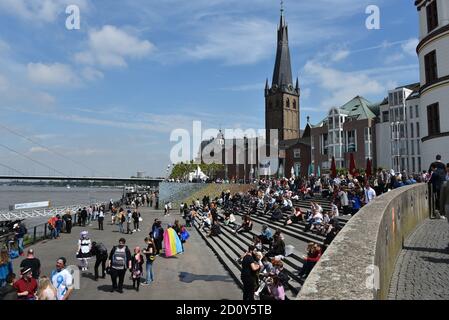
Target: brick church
(282, 113)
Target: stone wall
(179, 193)
(360, 261)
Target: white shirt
(344, 198)
(62, 281)
(370, 194)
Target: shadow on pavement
(435, 250)
(436, 260)
(190, 277)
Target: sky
(103, 100)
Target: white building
(398, 130)
(433, 52)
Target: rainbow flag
(172, 244)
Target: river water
(10, 195)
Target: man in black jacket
(101, 253)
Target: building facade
(349, 129)
(433, 53)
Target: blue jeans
(120, 228)
(20, 244)
(150, 277)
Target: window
(396, 98)
(401, 114)
(430, 63)
(297, 153)
(331, 123)
(419, 164)
(412, 143)
(432, 16)
(433, 119)
(418, 147)
(352, 143)
(417, 130)
(385, 116)
(294, 104)
(402, 131)
(411, 112)
(417, 111)
(414, 165)
(396, 114)
(287, 105)
(324, 144)
(390, 99)
(412, 131)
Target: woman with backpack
(136, 268)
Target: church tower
(282, 99)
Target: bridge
(63, 178)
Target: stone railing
(359, 263)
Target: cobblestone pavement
(422, 269)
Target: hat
(16, 226)
(25, 270)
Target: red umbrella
(352, 169)
(368, 168)
(333, 169)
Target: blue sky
(109, 95)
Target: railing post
(45, 231)
(34, 235)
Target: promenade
(422, 269)
(194, 275)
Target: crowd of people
(59, 285)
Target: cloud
(51, 74)
(409, 47)
(39, 11)
(343, 86)
(92, 74)
(236, 42)
(37, 150)
(110, 46)
(3, 83)
(394, 58)
(340, 55)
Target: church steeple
(282, 107)
(282, 76)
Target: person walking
(32, 262)
(20, 232)
(83, 217)
(136, 267)
(62, 280)
(100, 219)
(158, 236)
(150, 254)
(119, 262)
(100, 252)
(129, 217)
(67, 218)
(84, 250)
(136, 219)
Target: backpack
(101, 248)
(119, 258)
